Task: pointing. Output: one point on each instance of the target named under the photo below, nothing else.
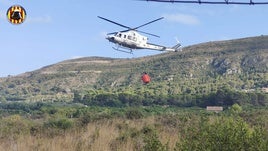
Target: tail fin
(177, 47)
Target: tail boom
(175, 48)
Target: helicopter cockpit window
(119, 35)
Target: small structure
(216, 109)
(265, 90)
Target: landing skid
(123, 50)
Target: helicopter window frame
(129, 37)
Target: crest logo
(16, 14)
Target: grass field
(169, 129)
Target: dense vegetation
(42, 126)
(145, 97)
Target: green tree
(235, 109)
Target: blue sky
(64, 29)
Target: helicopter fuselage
(130, 39)
(133, 40)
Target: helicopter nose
(110, 38)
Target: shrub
(151, 140)
(223, 134)
(63, 124)
(134, 114)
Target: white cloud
(5, 2)
(40, 19)
(182, 18)
(77, 57)
(3, 15)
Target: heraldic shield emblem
(16, 14)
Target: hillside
(239, 65)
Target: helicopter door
(132, 38)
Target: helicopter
(131, 39)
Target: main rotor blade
(114, 22)
(148, 23)
(112, 33)
(122, 31)
(250, 2)
(149, 34)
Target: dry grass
(97, 136)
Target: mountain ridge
(241, 64)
